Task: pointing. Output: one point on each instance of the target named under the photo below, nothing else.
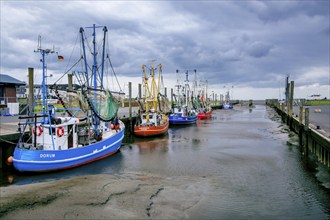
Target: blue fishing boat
(227, 105)
(83, 130)
(180, 118)
(183, 112)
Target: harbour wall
(312, 140)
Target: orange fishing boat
(148, 129)
(152, 121)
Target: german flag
(60, 58)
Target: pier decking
(311, 139)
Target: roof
(5, 79)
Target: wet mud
(125, 196)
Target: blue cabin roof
(5, 79)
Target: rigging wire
(113, 70)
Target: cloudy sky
(247, 47)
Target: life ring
(39, 131)
(60, 131)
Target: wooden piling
(301, 112)
(70, 86)
(306, 129)
(31, 90)
(130, 105)
(140, 91)
(306, 119)
(70, 82)
(288, 100)
(291, 97)
(172, 95)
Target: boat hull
(148, 131)
(204, 115)
(227, 107)
(26, 160)
(178, 119)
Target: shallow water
(251, 163)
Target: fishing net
(72, 103)
(163, 104)
(102, 103)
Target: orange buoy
(10, 159)
(112, 126)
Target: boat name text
(47, 155)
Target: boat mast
(178, 88)
(160, 67)
(186, 87)
(195, 84)
(94, 62)
(146, 91)
(84, 52)
(153, 86)
(206, 95)
(43, 83)
(103, 54)
(93, 80)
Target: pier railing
(312, 140)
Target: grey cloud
(259, 49)
(239, 42)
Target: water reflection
(152, 145)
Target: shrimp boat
(227, 105)
(72, 135)
(152, 120)
(205, 113)
(205, 110)
(182, 111)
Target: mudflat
(124, 196)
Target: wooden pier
(312, 140)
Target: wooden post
(172, 95)
(31, 90)
(165, 92)
(130, 105)
(306, 131)
(70, 86)
(306, 119)
(288, 100)
(70, 82)
(287, 89)
(291, 97)
(140, 95)
(282, 108)
(301, 112)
